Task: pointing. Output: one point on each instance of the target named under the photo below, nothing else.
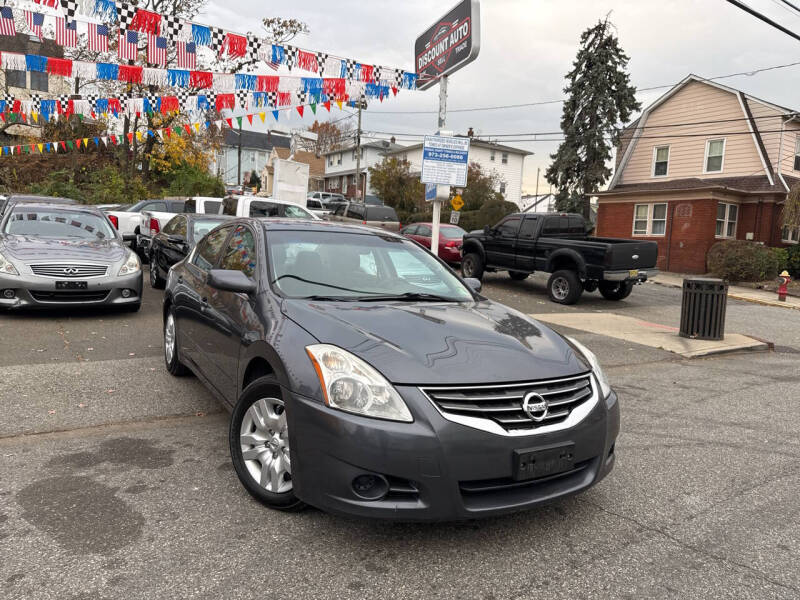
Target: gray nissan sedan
(366, 378)
(65, 255)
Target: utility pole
(437, 202)
(537, 183)
(239, 158)
(358, 151)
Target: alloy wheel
(169, 338)
(264, 440)
(560, 288)
(468, 266)
(153, 275)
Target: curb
(736, 296)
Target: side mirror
(176, 239)
(487, 230)
(231, 281)
(474, 284)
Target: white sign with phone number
(444, 160)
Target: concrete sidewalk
(734, 291)
(650, 334)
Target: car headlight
(605, 387)
(132, 265)
(351, 385)
(6, 268)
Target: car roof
(319, 226)
(206, 217)
(87, 208)
(40, 199)
(441, 225)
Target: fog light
(126, 293)
(8, 294)
(370, 487)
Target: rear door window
(211, 207)
(424, 231)
(355, 212)
(265, 209)
(410, 230)
(229, 205)
(190, 206)
(156, 207)
(209, 249)
(553, 226)
(576, 226)
(528, 229)
(381, 213)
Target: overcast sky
(528, 45)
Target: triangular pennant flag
(105, 141)
(150, 133)
(80, 117)
(300, 110)
(168, 130)
(218, 123)
(314, 108)
(197, 126)
(188, 129)
(78, 143)
(63, 146)
(275, 114)
(160, 133)
(130, 137)
(139, 135)
(69, 145)
(230, 122)
(328, 105)
(177, 131)
(261, 116)
(239, 121)
(114, 140)
(339, 104)
(97, 141)
(208, 125)
(250, 119)
(35, 117)
(86, 142)
(41, 146)
(394, 90)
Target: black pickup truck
(557, 243)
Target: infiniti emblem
(70, 271)
(535, 407)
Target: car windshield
(52, 223)
(452, 233)
(353, 266)
(200, 228)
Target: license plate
(633, 273)
(543, 462)
(71, 285)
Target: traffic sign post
(444, 164)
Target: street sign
(430, 192)
(457, 203)
(451, 43)
(444, 160)
(454, 216)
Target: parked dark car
(64, 255)
(365, 378)
(371, 200)
(383, 217)
(557, 243)
(176, 240)
(450, 239)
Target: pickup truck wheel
(518, 275)
(472, 266)
(616, 291)
(564, 287)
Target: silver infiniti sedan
(65, 255)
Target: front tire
(156, 281)
(518, 275)
(564, 287)
(171, 346)
(259, 444)
(472, 266)
(616, 291)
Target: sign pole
(441, 190)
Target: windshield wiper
(329, 298)
(408, 296)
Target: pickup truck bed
(557, 243)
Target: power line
(792, 5)
(546, 102)
(764, 18)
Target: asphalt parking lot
(115, 480)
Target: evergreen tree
(600, 99)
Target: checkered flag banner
(125, 12)
(36, 102)
(254, 44)
(152, 100)
(376, 73)
(92, 98)
(291, 56)
(302, 97)
(217, 39)
(183, 98)
(348, 69)
(398, 78)
(63, 99)
(70, 7)
(241, 97)
(172, 27)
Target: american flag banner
(128, 44)
(187, 55)
(7, 21)
(156, 49)
(66, 33)
(98, 37)
(35, 21)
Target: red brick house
(703, 163)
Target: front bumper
(437, 470)
(31, 291)
(641, 275)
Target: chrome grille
(498, 408)
(69, 271)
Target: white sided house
(340, 167)
(505, 161)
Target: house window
(797, 154)
(503, 187)
(715, 152)
(39, 81)
(790, 235)
(650, 219)
(726, 220)
(16, 78)
(330, 160)
(491, 156)
(504, 160)
(339, 158)
(660, 161)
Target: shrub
(793, 261)
(187, 180)
(739, 260)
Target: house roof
(316, 164)
(756, 184)
(384, 145)
(628, 144)
(475, 142)
(253, 140)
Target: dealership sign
(453, 42)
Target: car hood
(29, 249)
(440, 343)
